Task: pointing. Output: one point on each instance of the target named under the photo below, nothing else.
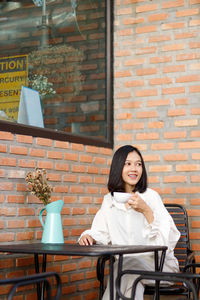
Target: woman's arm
(99, 232)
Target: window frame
(17, 128)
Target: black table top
(76, 249)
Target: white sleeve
(162, 231)
(99, 230)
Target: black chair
(189, 280)
(183, 253)
(37, 279)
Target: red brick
(61, 144)
(26, 211)
(147, 136)
(174, 68)
(159, 81)
(8, 161)
(131, 21)
(7, 237)
(6, 186)
(195, 133)
(187, 168)
(145, 50)
(147, 7)
(131, 104)
(92, 149)
(175, 178)
(176, 157)
(181, 101)
(174, 90)
(126, 73)
(184, 123)
(158, 124)
(160, 59)
(6, 136)
(188, 78)
(147, 114)
(76, 189)
(124, 137)
(146, 29)
(3, 148)
(172, 3)
(86, 158)
(55, 154)
(196, 156)
(26, 139)
(61, 166)
(146, 71)
(186, 56)
(158, 17)
(26, 163)
(15, 199)
(44, 142)
(189, 145)
(158, 168)
(131, 126)
(134, 83)
(195, 89)
(158, 102)
(195, 111)
(37, 152)
(133, 62)
(172, 26)
(195, 178)
(124, 32)
(175, 135)
(78, 169)
(162, 146)
(187, 190)
(187, 12)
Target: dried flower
(38, 185)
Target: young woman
(142, 220)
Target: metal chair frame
(187, 279)
(37, 279)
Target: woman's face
(132, 171)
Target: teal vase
(52, 227)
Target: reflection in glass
(65, 44)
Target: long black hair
(115, 181)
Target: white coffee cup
(122, 197)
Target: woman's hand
(86, 240)
(138, 204)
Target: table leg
(44, 261)
(112, 259)
(158, 267)
(120, 263)
(37, 270)
(157, 283)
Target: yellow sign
(13, 74)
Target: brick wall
(157, 95)
(78, 174)
(156, 107)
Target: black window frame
(22, 129)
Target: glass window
(56, 69)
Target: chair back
(180, 217)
